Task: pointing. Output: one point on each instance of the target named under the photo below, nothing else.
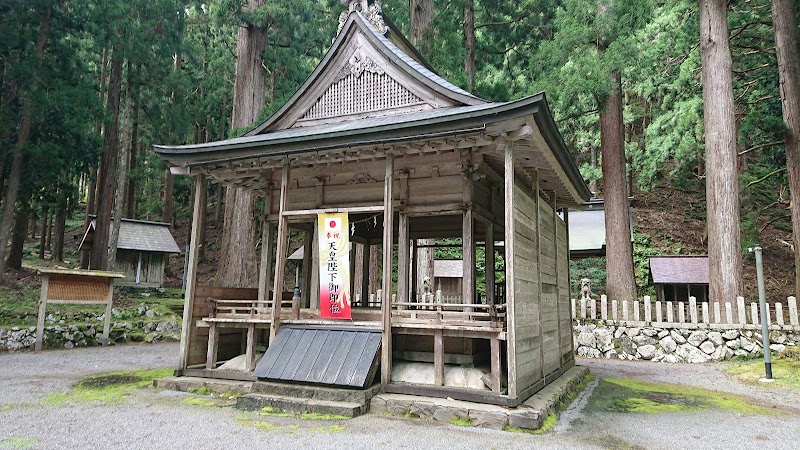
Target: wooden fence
(689, 312)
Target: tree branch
(760, 146)
(766, 176)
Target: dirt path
(29, 418)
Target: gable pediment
(364, 75)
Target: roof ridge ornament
(357, 65)
(371, 9)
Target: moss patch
(19, 442)
(212, 402)
(269, 411)
(294, 429)
(109, 388)
(786, 372)
(634, 396)
(202, 390)
(460, 421)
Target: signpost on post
(85, 287)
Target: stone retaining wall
(68, 330)
(675, 343)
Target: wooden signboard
(86, 287)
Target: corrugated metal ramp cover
(336, 355)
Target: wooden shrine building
(678, 277)
(142, 251)
(376, 134)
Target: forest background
(87, 87)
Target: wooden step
(337, 394)
(255, 402)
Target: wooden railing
(242, 309)
(691, 312)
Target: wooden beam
(213, 345)
(509, 260)
(489, 266)
(386, 301)
(250, 350)
(280, 255)
(314, 212)
(191, 272)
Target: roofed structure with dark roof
(142, 249)
(677, 277)
(375, 135)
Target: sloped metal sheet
(341, 356)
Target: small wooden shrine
(375, 134)
(678, 277)
(142, 251)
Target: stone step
(337, 394)
(254, 402)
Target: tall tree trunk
(18, 236)
(469, 41)
(91, 196)
(130, 190)
(784, 19)
(238, 259)
(425, 264)
(60, 219)
(722, 185)
(122, 176)
(621, 283)
(108, 166)
(217, 204)
(43, 237)
(7, 220)
(420, 14)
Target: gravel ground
(164, 419)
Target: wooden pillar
(280, 255)
(438, 357)
(308, 264)
(265, 270)
(386, 301)
(42, 312)
(313, 289)
(191, 272)
(490, 275)
(468, 248)
(213, 344)
(559, 275)
(403, 250)
(509, 260)
(250, 350)
(414, 270)
(365, 275)
(537, 219)
(468, 239)
(497, 366)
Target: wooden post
(365, 276)
(403, 256)
(468, 249)
(308, 266)
(467, 236)
(107, 315)
(250, 352)
(42, 312)
(496, 364)
(693, 309)
(793, 319)
(386, 300)
(280, 255)
(213, 344)
(648, 309)
(438, 358)
(414, 270)
(490, 275)
(267, 242)
(743, 311)
(508, 186)
(313, 287)
(191, 272)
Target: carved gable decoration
(361, 87)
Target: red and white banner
(334, 266)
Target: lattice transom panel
(363, 90)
